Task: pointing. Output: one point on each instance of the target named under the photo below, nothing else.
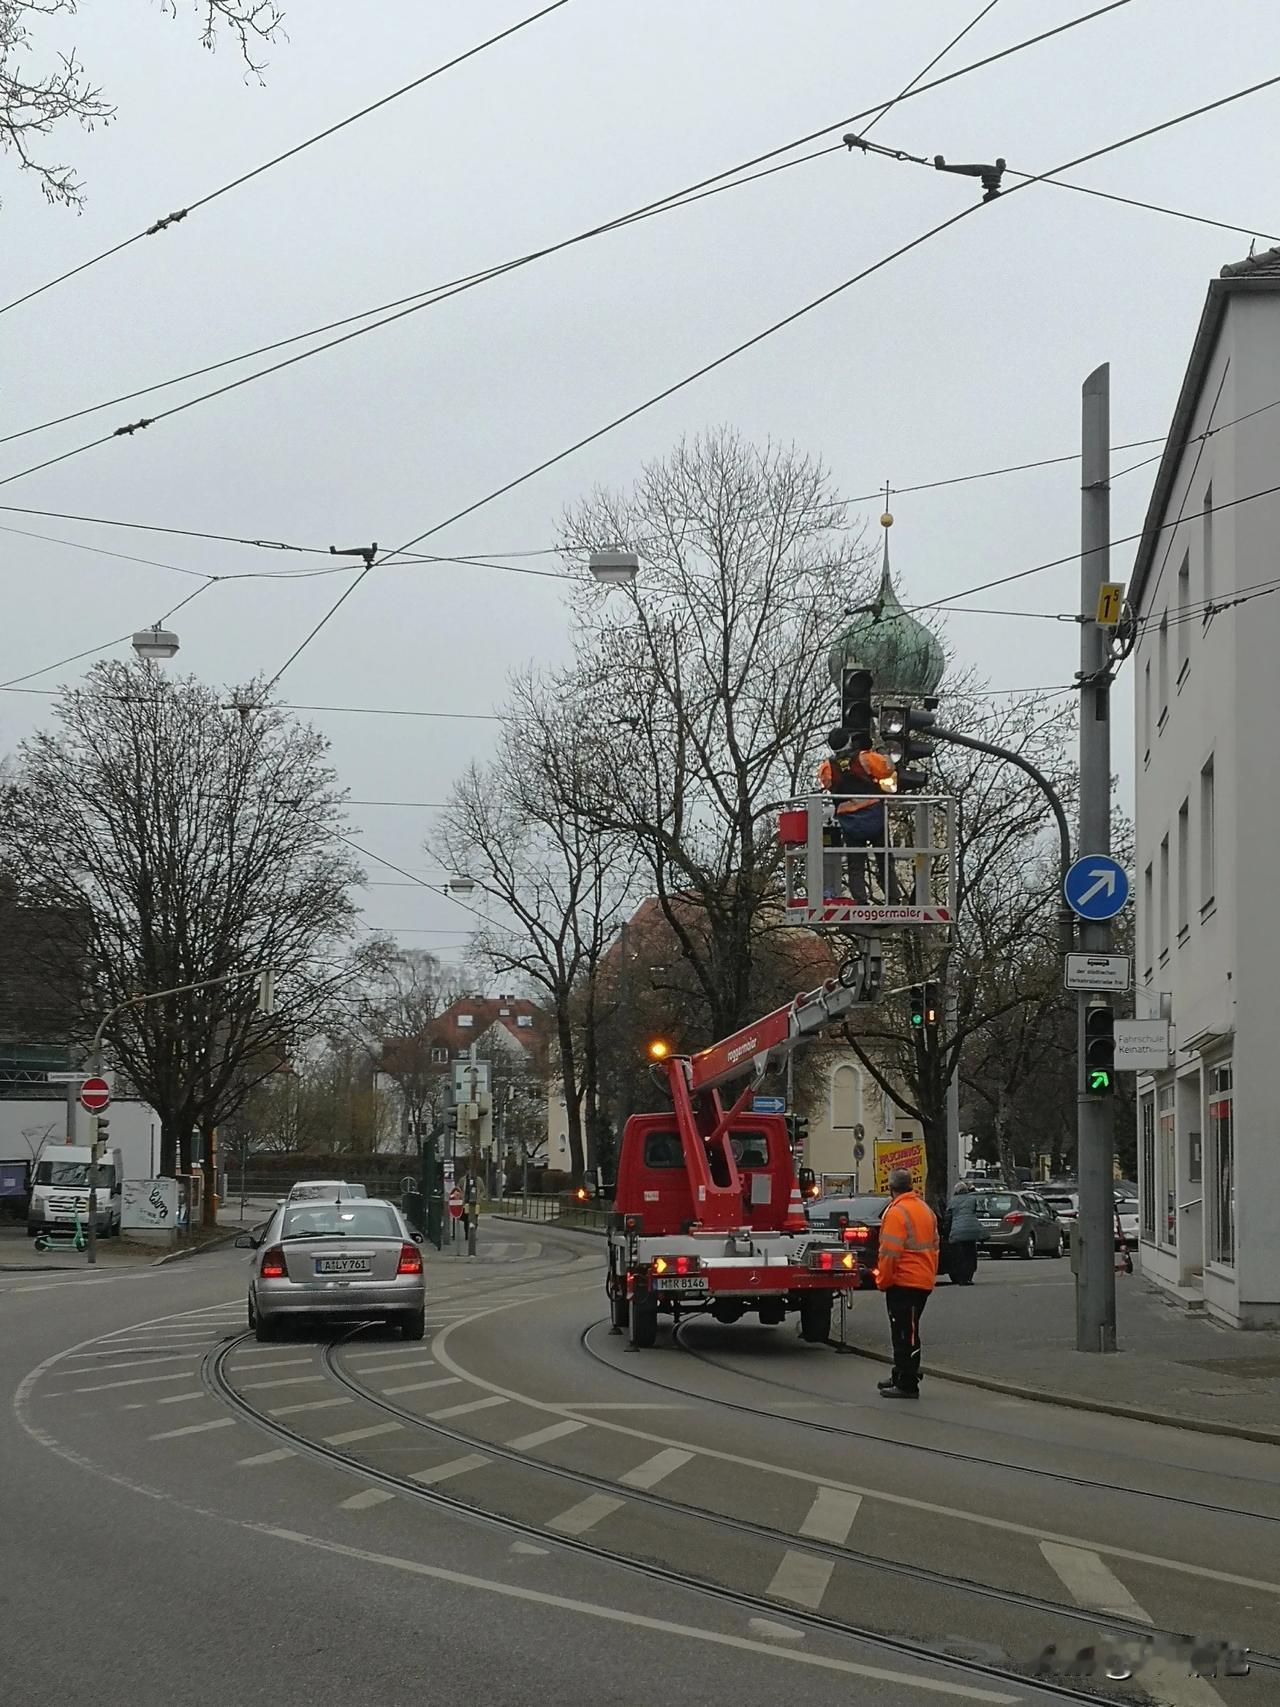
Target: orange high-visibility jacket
(843, 776)
(908, 1244)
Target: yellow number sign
(1110, 603)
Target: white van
(60, 1190)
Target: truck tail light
(856, 1235)
(1014, 1218)
(825, 1261)
(676, 1265)
(272, 1264)
(410, 1260)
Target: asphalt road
(186, 1515)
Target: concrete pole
(1095, 1261)
(955, 1161)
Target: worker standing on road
(964, 1230)
(858, 779)
(906, 1269)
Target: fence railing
(562, 1209)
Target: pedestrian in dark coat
(964, 1233)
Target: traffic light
(102, 1130)
(1100, 1052)
(899, 727)
(924, 1008)
(855, 707)
(915, 1006)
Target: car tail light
(1014, 1218)
(272, 1264)
(857, 1235)
(410, 1260)
(676, 1265)
(824, 1261)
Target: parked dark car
(860, 1219)
(1019, 1221)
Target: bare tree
(195, 845)
(36, 101)
(706, 693)
(516, 827)
(396, 1019)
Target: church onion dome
(904, 657)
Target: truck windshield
(71, 1175)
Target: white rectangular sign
(1141, 1044)
(1098, 972)
(146, 1203)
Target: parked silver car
(345, 1259)
(1018, 1221)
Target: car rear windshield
(997, 1203)
(856, 1208)
(340, 1221)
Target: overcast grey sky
(966, 354)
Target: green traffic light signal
(1099, 1080)
(1099, 1051)
(917, 1008)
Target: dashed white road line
(137, 1363)
(466, 1409)
(132, 1381)
(193, 1428)
(352, 1434)
(830, 1517)
(308, 1405)
(421, 1386)
(586, 1514)
(454, 1467)
(801, 1578)
(183, 1398)
(362, 1502)
(279, 1363)
(655, 1469)
(284, 1381)
(275, 1457)
(371, 1357)
(541, 1436)
(391, 1368)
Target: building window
(1206, 552)
(1164, 898)
(525, 1020)
(1222, 1166)
(1208, 838)
(1147, 1171)
(1162, 658)
(1183, 618)
(1148, 920)
(1184, 858)
(1146, 712)
(465, 1020)
(1167, 1125)
(439, 1056)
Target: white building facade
(1207, 679)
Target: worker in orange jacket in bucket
(858, 778)
(906, 1269)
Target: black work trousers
(866, 830)
(964, 1262)
(906, 1306)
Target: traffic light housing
(900, 727)
(915, 1007)
(102, 1130)
(925, 1008)
(1100, 1052)
(856, 713)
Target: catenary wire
(132, 428)
(90, 651)
(289, 153)
(759, 337)
(937, 58)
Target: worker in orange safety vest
(858, 778)
(906, 1268)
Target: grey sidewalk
(1014, 1331)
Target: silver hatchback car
(348, 1259)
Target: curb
(1075, 1402)
(190, 1251)
(555, 1226)
(37, 1268)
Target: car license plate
(342, 1265)
(681, 1283)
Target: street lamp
(155, 643)
(461, 885)
(614, 568)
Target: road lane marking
(371, 1357)
(138, 1363)
(279, 1363)
(284, 1381)
(612, 1405)
(362, 1502)
(183, 1398)
(133, 1381)
(586, 1514)
(640, 1621)
(830, 1517)
(655, 1469)
(391, 1368)
(193, 1428)
(466, 1409)
(307, 1405)
(281, 1452)
(541, 1436)
(1092, 1584)
(352, 1434)
(801, 1578)
(454, 1467)
(933, 1508)
(421, 1386)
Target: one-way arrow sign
(1096, 887)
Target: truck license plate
(681, 1283)
(342, 1265)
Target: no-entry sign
(95, 1095)
(455, 1204)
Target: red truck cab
(749, 1176)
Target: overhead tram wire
(758, 338)
(91, 651)
(288, 154)
(937, 58)
(680, 197)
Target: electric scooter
(63, 1241)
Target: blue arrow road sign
(1096, 887)
(768, 1105)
